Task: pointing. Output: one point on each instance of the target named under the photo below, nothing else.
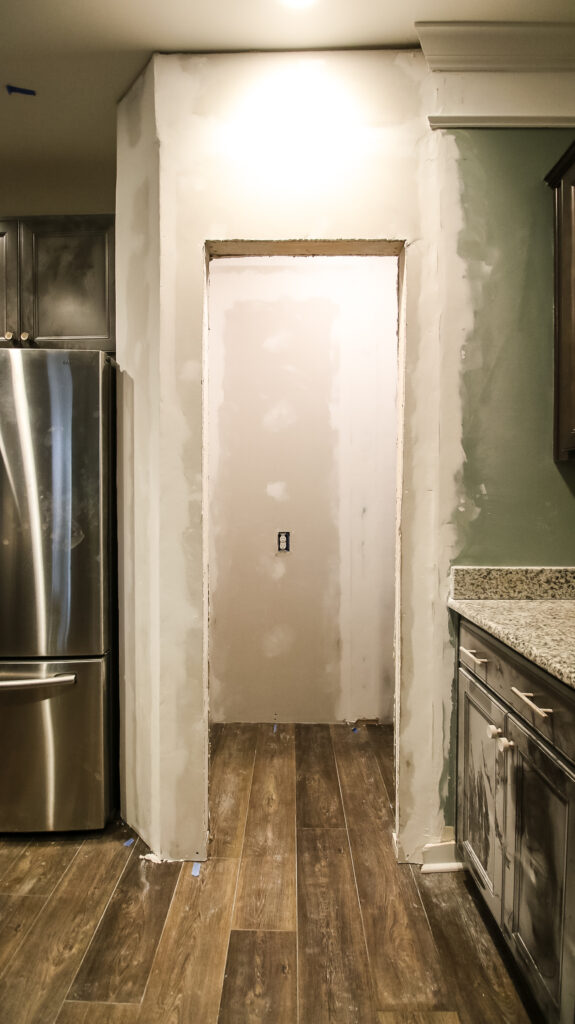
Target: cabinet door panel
(539, 889)
(67, 281)
(481, 803)
(8, 278)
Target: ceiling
(80, 57)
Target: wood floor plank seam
(238, 864)
(388, 786)
(120, 876)
(15, 856)
(41, 910)
(239, 859)
(297, 978)
(55, 883)
(22, 936)
(159, 942)
(363, 929)
(415, 870)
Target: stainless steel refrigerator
(57, 587)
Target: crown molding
(497, 46)
(499, 121)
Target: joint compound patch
(278, 641)
(277, 490)
(280, 416)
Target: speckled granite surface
(499, 583)
(543, 631)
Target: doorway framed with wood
(275, 640)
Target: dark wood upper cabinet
(561, 178)
(57, 281)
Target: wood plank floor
(301, 915)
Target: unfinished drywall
(302, 368)
(163, 750)
(286, 146)
(269, 146)
(515, 505)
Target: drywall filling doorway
(301, 431)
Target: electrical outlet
(284, 540)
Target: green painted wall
(518, 507)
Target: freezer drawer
(55, 745)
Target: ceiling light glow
(297, 4)
(298, 129)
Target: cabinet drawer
(546, 704)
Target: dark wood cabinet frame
(561, 179)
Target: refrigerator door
(54, 738)
(54, 502)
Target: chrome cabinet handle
(32, 683)
(473, 656)
(542, 712)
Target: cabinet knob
(9, 335)
(24, 336)
(493, 732)
(504, 744)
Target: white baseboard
(441, 857)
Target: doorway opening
(301, 438)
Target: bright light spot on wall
(297, 3)
(299, 129)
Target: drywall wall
(516, 506)
(301, 378)
(164, 789)
(272, 146)
(285, 146)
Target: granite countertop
(530, 610)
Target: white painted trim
(439, 857)
(433, 869)
(499, 121)
(497, 46)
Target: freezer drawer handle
(473, 656)
(542, 712)
(64, 679)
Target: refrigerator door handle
(62, 679)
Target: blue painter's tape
(276, 727)
(22, 92)
(196, 869)
(129, 842)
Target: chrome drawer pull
(542, 712)
(32, 684)
(473, 656)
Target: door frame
(222, 248)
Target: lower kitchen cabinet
(516, 810)
(539, 887)
(481, 789)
